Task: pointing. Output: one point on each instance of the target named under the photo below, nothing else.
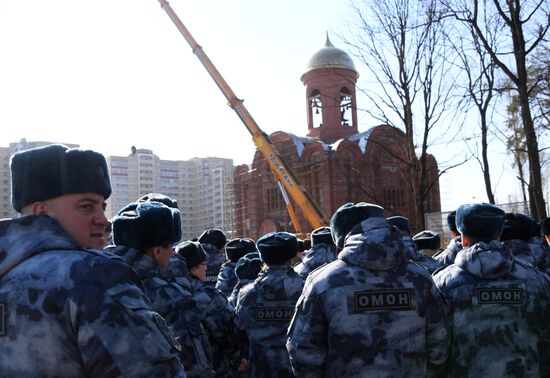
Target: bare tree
(402, 45)
(478, 70)
(516, 143)
(526, 25)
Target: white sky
(109, 74)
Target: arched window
(345, 107)
(316, 108)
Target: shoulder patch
(373, 300)
(3, 318)
(273, 313)
(500, 296)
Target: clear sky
(111, 74)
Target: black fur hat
(147, 224)
(159, 197)
(451, 221)
(237, 248)
(321, 235)
(248, 267)
(480, 220)
(349, 215)
(427, 240)
(51, 171)
(402, 223)
(192, 252)
(213, 236)
(517, 226)
(277, 248)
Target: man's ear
(39, 208)
(153, 251)
(465, 241)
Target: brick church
(334, 162)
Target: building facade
(202, 187)
(334, 162)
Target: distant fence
(438, 221)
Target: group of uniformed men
(367, 299)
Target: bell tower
(330, 79)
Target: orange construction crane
(280, 169)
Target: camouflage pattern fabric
(177, 307)
(447, 257)
(68, 312)
(521, 251)
(218, 319)
(264, 309)
(412, 253)
(214, 261)
(541, 251)
(371, 312)
(232, 299)
(226, 278)
(319, 254)
(499, 314)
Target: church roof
(330, 57)
(300, 143)
(361, 138)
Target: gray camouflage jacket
(227, 279)
(264, 309)
(232, 299)
(370, 313)
(218, 318)
(318, 255)
(413, 254)
(499, 314)
(176, 306)
(447, 257)
(214, 261)
(541, 251)
(70, 312)
(521, 251)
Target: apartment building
(6, 210)
(202, 187)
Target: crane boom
(282, 172)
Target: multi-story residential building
(202, 187)
(6, 210)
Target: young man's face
(199, 271)
(82, 216)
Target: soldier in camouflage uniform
(499, 306)
(213, 242)
(447, 256)
(265, 307)
(247, 269)
(216, 314)
(323, 251)
(234, 250)
(68, 311)
(402, 223)
(144, 233)
(372, 312)
(516, 234)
